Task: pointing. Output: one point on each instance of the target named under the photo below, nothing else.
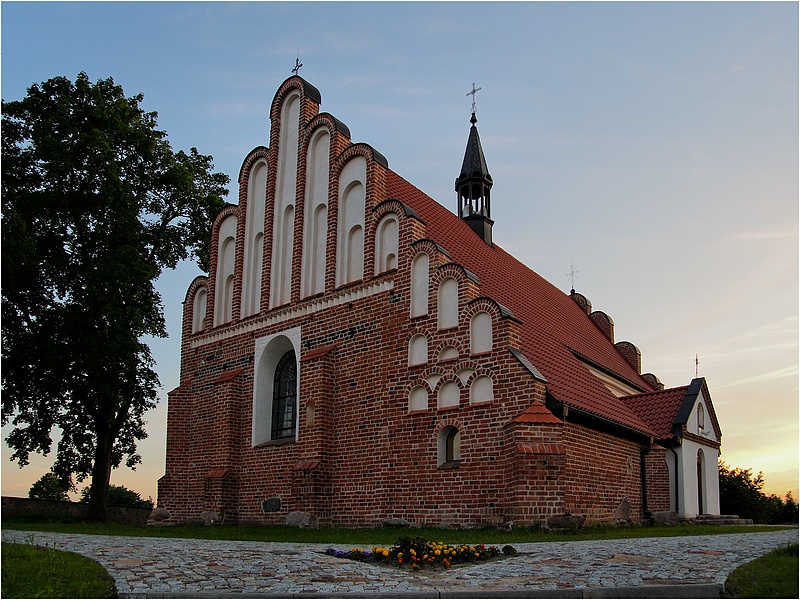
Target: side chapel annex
(358, 353)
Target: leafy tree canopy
(740, 493)
(95, 205)
(50, 487)
(119, 495)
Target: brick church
(358, 353)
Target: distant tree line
(50, 487)
(740, 493)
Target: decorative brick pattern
(359, 455)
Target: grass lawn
(29, 571)
(364, 537)
(774, 575)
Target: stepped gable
(658, 409)
(554, 328)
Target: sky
(652, 146)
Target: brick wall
(361, 456)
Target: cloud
(776, 233)
(791, 371)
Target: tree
(740, 493)
(119, 495)
(95, 205)
(51, 487)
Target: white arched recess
(226, 255)
(315, 231)
(285, 190)
(350, 244)
(199, 307)
(480, 333)
(269, 350)
(447, 305)
(685, 474)
(386, 242)
(419, 285)
(254, 239)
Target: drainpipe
(643, 472)
(677, 495)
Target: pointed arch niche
(285, 189)
(386, 241)
(352, 198)
(226, 255)
(199, 307)
(254, 239)
(419, 284)
(315, 232)
(448, 303)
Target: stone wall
(52, 509)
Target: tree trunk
(101, 477)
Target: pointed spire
(474, 183)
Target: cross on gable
(297, 65)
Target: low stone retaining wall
(25, 507)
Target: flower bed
(418, 552)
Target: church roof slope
(556, 332)
(658, 409)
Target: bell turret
(473, 187)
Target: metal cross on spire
(472, 93)
(297, 64)
(572, 274)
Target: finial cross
(472, 93)
(297, 65)
(572, 274)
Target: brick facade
(362, 452)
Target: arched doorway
(700, 482)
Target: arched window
(276, 388)
(448, 303)
(449, 448)
(419, 285)
(284, 397)
(701, 417)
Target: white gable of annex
(699, 421)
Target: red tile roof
(554, 328)
(658, 409)
(227, 376)
(537, 413)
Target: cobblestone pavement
(177, 568)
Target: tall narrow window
(701, 418)
(284, 397)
